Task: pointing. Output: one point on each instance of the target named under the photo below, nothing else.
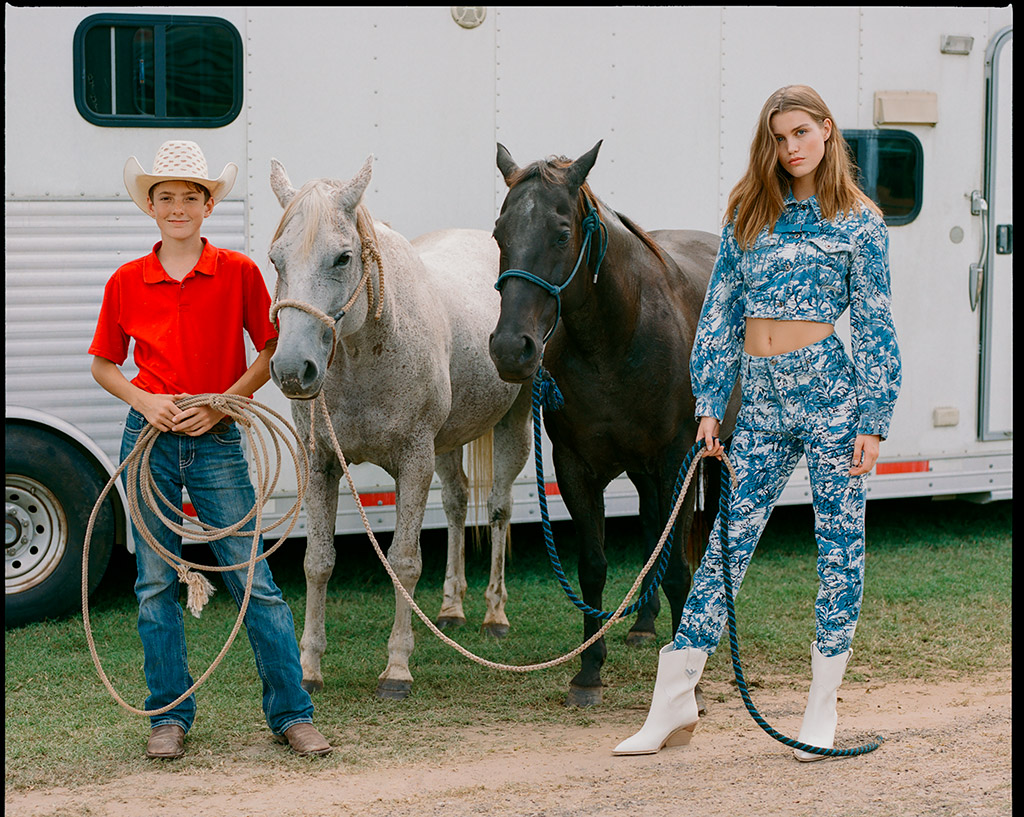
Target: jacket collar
(812, 202)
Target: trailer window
(157, 71)
(890, 170)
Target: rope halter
(369, 254)
(591, 223)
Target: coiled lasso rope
(254, 418)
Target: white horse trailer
(923, 94)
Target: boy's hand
(158, 409)
(196, 420)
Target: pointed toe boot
(673, 714)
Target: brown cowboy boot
(304, 739)
(166, 742)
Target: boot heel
(681, 737)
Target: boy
(186, 305)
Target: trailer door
(995, 406)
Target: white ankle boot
(820, 717)
(673, 715)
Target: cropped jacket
(810, 269)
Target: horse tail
(480, 462)
(708, 491)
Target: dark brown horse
(613, 311)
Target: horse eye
(563, 239)
(343, 259)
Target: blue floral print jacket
(806, 268)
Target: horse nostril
(529, 349)
(310, 374)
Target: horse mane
(316, 201)
(552, 171)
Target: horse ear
(578, 170)
(352, 193)
(280, 184)
(506, 165)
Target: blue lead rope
(547, 395)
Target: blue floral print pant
(802, 403)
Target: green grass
(937, 605)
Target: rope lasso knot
(199, 588)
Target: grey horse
(403, 365)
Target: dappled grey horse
(403, 365)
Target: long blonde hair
(757, 199)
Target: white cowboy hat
(176, 160)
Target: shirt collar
(153, 271)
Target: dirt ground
(946, 752)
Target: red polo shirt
(188, 333)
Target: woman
(801, 243)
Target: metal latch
(1004, 239)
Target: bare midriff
(766, 336)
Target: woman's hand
(865, 454)
(708, 431)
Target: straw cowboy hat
(176, 160)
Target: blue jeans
(795, 404)
(214, 470)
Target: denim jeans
(795, 404)
(214, 470)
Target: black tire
(51, 488)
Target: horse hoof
(635, 638)
(394, 690)
(312, 686)
(583, 696)
(444, 622)
(498, 631)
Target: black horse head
(542, 238)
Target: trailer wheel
(51, 488)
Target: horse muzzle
(298, 378)
(516, 356)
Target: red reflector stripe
(189, 509)
(375, 500)
(551, 489)
(902, 467)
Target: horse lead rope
(546, 393)
(618, 615)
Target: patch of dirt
(946, 754)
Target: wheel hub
(35, 533)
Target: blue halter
(591, 223)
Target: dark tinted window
(158, 71)
(890, 170)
